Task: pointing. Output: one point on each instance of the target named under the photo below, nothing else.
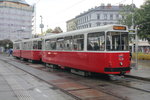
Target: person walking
(10, 52)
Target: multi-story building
(16, 19)
(97, 16)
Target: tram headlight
(121, 63)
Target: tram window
(96, 41)
(47, 44)
(29, 45)
(68, 43)
(24, 45)
(60, 44)
(53, 45)
(39, 45)
(17, 46)
(117, 41)
(78, 42)
(35, 45)
(50, 44)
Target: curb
(138, 77)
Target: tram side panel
(31, 54)
(17, 53)
(92, 62)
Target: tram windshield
(117, 41)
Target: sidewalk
(16, 84)
(143, 70)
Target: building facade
(102, 15)
(16, 19)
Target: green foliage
(4, 43)
(144, 21)
(141, 18)
(49, 30)
(56, 30)
(127, 13)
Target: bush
(141, 56)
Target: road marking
(38, 90)
(45, 95)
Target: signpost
(134, 31)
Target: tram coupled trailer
(102, 49)
(31, 49)
(17, 49)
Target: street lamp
(41, 25)
(136, 38)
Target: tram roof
(88, 30)
(82, 31)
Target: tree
(57, 30)
(144, 20)
(127, 13)
(5, 43)
(49, 30)
(141, 18)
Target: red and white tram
(30, 49)
(17, 49)
(102, 49)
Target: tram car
(103, 49)
(30, 49)
(17, 49)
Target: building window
(117, 16)
(98, 16)
(105, 23)
(111, 16)
(89, 24)
(89, 17)
(111, 23)
(98, 24)
(105, 16)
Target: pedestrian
(10, 52)
(96, 47)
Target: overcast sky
(57, 12)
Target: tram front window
(117, 41)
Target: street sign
(41, 25)
(132, 31)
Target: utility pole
(132, 16)
(41, 25)
(136, 39)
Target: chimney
(102, 5)
(108, 5)
(120, 5)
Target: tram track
(101, 84)
(98, 84)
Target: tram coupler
(122, 73)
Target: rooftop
(103, 7)
(17, 1)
